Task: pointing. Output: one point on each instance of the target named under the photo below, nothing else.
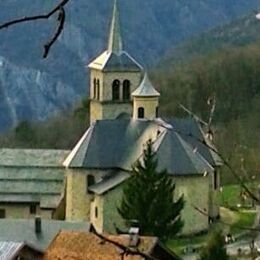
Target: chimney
(38, 225)
(134, 234)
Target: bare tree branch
(125, 250)
(225, 162)
(59, 9)
(61, 20)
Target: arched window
(126, 89)
(95, 88)
(98, 89)
(140, 112)
(157, 112)
(116, 90)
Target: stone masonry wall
(23, 211)
(77, 201)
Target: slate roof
(23, 230)
(32, 157)
(146, 89)
(189, 129)
(32, 176)
(109, 181)
(8, 250)
(118, 144)
(109, 61)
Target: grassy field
(178, 245)
(238, 220)
(230, 196)
(245, 220)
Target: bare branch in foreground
(59, 9)
(125, 250)
(225, 162)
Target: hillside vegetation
(233, 76)
(237, 33)
(60, 132)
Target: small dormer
(145, 100)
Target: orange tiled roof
(87, 246)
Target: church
(85, 184)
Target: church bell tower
(114, 75)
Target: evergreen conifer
(148, 197)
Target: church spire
(115, 44)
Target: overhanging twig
(59, 8)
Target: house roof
(87, 246)
(23, 231)
(32, 176)
(109, 181)
(32, 157)
(8, 250)
(146, 89)
(124, 141)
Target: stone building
(32, 183)
(124, 115)
(85, 184)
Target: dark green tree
(215, 249)
(148, 197)
(25, 134)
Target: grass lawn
(245, 219)
(179, 244)
(230, 196)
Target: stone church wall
(196, 194)
(195, 191)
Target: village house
(85, 184)
(83, 245)
(30, 238)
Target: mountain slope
(238, 33)
(34, 89)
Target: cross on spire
(115, 43)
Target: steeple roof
(115, 58)
(115, 44)
(146, 89)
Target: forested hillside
(238, 33)
(34, 89)
(233, 76)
